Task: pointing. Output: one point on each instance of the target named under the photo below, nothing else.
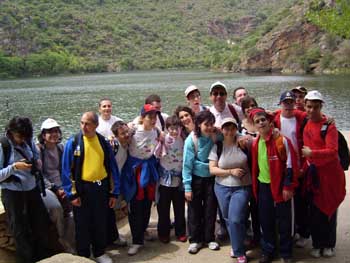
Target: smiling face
(229, 131)
(123, 134)
(218, 98)
(185, 118)
(240, 95)
(288, 107)
(206, 128)
(87, 125)
(299, 100)
(313, 109)
(51, 136)
(105, 109)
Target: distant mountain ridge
(42, 37)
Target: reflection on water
(65, 98)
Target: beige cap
(190, 89)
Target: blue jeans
(233, 203)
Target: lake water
(66, 97)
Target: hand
(243, 141)
(287, 195)
(306, 151)
(188, 196)
(61, 194)
(112, 202)
(275, 133)
(238, 172)
(76, 202)
(22, 165)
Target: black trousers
(323, 229)
(112, 230)
(91, 218)
(168, 195)
(29, 224)
(202, 210)
(302, 212)
(269, 214)
(139, 216)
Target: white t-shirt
(143, 143)
(239, 111)
(104, 126)
(288, 129)
(174, 154)
(158, 123)
(230, 158)
(220, 116)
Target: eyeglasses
(221, 93)
(260, 120)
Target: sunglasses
(221, 93)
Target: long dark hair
(203, 116)
(20, 125)
(245, 103)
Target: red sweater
(277, 166)
(331, 191)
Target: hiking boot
(104, 259)
(164, 240)
(133, 249)
(194, 248)
(328, 252)
(213, 245)
(315, 252)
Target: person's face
(262, 124)
(105, 109)
(18, 138)
(239, 96)
(194, 99)
(123, 134)
(229, 130)
(149, 120)
(51, 135)
(288, 106)
(87, 126)
(157, 105)
(173, 131)
(252, 105)
(313, 109)
(185, 118)
(206, 128)
(299, 101)
(218, 97)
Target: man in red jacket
(325, 176)
(274, 169)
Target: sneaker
(120, 242)
(301, 242)
(315, 252)
(232, 254)
(328, 252)
(164, 240)
(104, 259)
(133, 249)
(194, 248)
(213, 245)
(242, 259)
(182, 238)
(147, 236)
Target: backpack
(343, 148)
(6, 149)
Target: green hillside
(43, 37)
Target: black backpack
(343, 148)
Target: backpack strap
(195, 143)
(233, 112)
(162, 122)
(219, 148)
(6, 149)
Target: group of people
(239, 164)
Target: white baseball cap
(190, 89)
(49, 124)
(314, 95)
(217, 84)
(229, 120)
